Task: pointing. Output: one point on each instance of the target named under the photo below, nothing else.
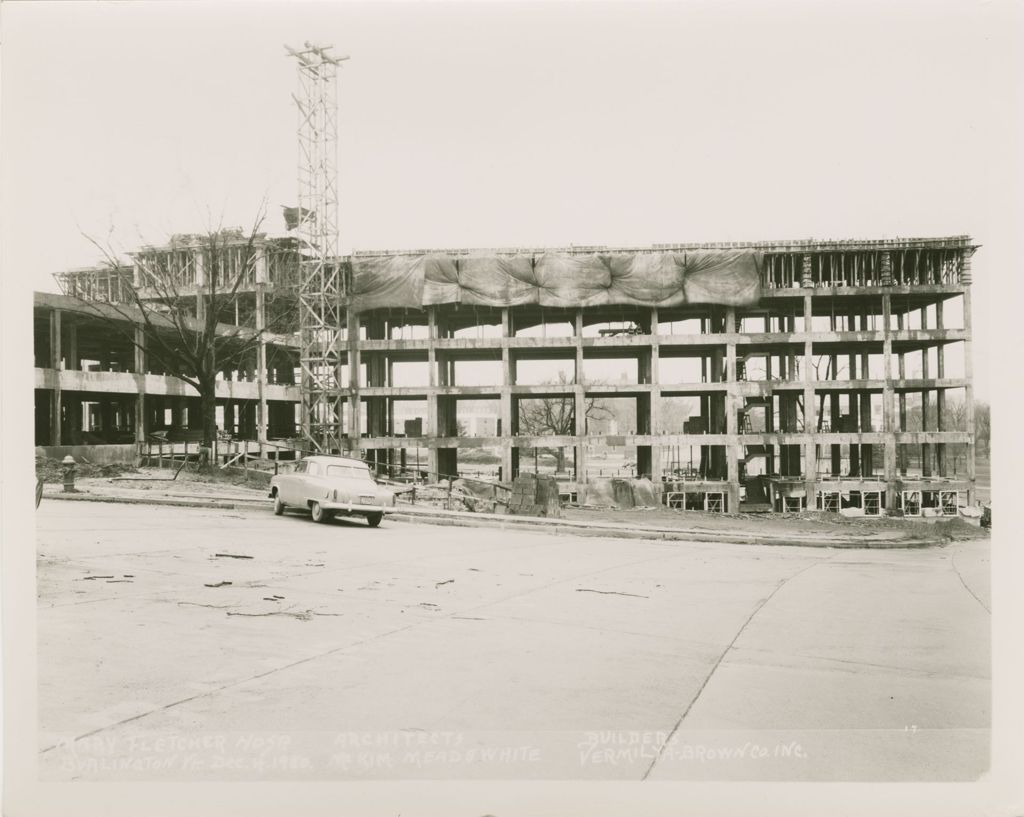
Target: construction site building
(99, 393)
(840, 377)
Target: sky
(514, 124)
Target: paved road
(340, 652)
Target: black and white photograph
(499, 408)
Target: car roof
(329, 459)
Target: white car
(331, 486)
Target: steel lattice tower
(322, 278)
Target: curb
(131, 500)
(549, 527)
(552, 528)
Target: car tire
(278, 505)
(318, 513)
(374, 519)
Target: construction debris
(304, 615)
(446, 581)
(48, 469)
(480, 497)
(617, 492)
(218, 584)
(534, 495)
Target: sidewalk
(226, 497)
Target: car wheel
(373, 519)
(278, 505)
(318, 513)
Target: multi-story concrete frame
(96, 387)
(844, 333)
(837, 383)
(79, 360)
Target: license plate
(366, 500)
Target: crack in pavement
(721, 657)
(829, 664)
(960, 576)
(334, 650)
(224, 687)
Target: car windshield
(347, 471)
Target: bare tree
(830, 373)
(983, 427)
(179, 304)
(955, 416)
(557, 416)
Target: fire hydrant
(67, 466)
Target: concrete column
(810, 406)
(354, 364)
(199, 259)
(732, 402)
(505, 407)
(940, 397)
(854, 404)
(657, 454)
(836, 452)
(730, 346)
(900, 422)
(433, 420)
(969, 375)
(866, 449)
(443, 370)
(73, 363)
(579, 394)
(926, 449)
(886, 270)
(888, 394)
(262, 421)
(805, 271)
(260, 268)
(732, 471)
(140, 372)
(55, 364)
(201, 305)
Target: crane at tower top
(311, 55)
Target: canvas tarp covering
(726, 277)
(618, 492)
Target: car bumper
(355, 508)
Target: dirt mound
(50, 470)
(958, 530)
